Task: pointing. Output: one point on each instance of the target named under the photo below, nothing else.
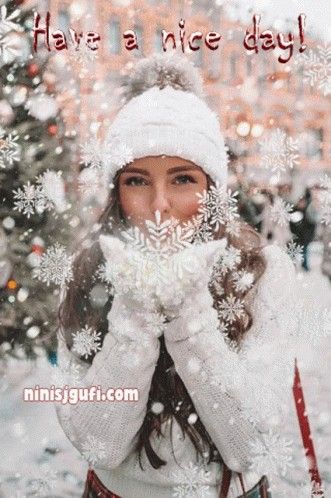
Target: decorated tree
(35, 210)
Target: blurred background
(55, 104)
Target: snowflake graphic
(325, 207)
(162, 238)
(120, 154)
(66, 373)
(26, 199)
(8, 46)
(45, 483)
(280, 211)
(202, 230)
(94, 450)
(99, 154)
(231, 308)
(315, 324)
(55, 266)
(325, 183)
(233, 228)
(243, 280)
(44, 196)
(279, 152)
(217, 206)
(83, 56)
(86, 341)
(9, 149)
(93, 153)
(230, 258)
(316, 65)
(193, 481)
(295, 251)
(271, 454)
(6, 22)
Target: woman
(197, 315)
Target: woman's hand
(191, 271)
(134, 313)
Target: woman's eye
(182, 179)
(135, 181)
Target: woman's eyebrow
(176, 169)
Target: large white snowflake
(9, 149)
(279, 152)
(243, 280)
(280, 211)
(47, 194)
(94, 450)
(229, 259)
(231, 308)
(55, 266)
(86, 341)
(317, 67)
(217, 206)
(66, 373)
(101, 154)
(162, 239)
(295, 251)
(6, 21)
(271, 454)
(193, 482)
(7, 24)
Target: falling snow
(271, 455)
(93, 449)
(231, 308)
(193, 482)
(86, 342)
(55, 266)
(243, 280)
(217, 206)
(280, 211)
(279, 152)
(9, 149)
(295, 251)
(316, 65)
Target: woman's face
(160, 183)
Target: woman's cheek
(187, 204)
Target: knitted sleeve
(240, 397)
(104, 431)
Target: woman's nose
(160, 201)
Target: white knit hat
(164, 114)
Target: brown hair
(167, 387)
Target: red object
(52, 129)
(94, 487)
(306, 435)
(37, 249)
(32, 69)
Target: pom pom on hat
(161, 70)
(165, 114)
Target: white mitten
(133, 313)
(195, 310)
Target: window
(138, 52)
(158, 40)
(248, 65)
(310, 143)
(233, 65)
(63, 20)
(114, 36)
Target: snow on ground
(38, 460)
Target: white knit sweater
(264, 375)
